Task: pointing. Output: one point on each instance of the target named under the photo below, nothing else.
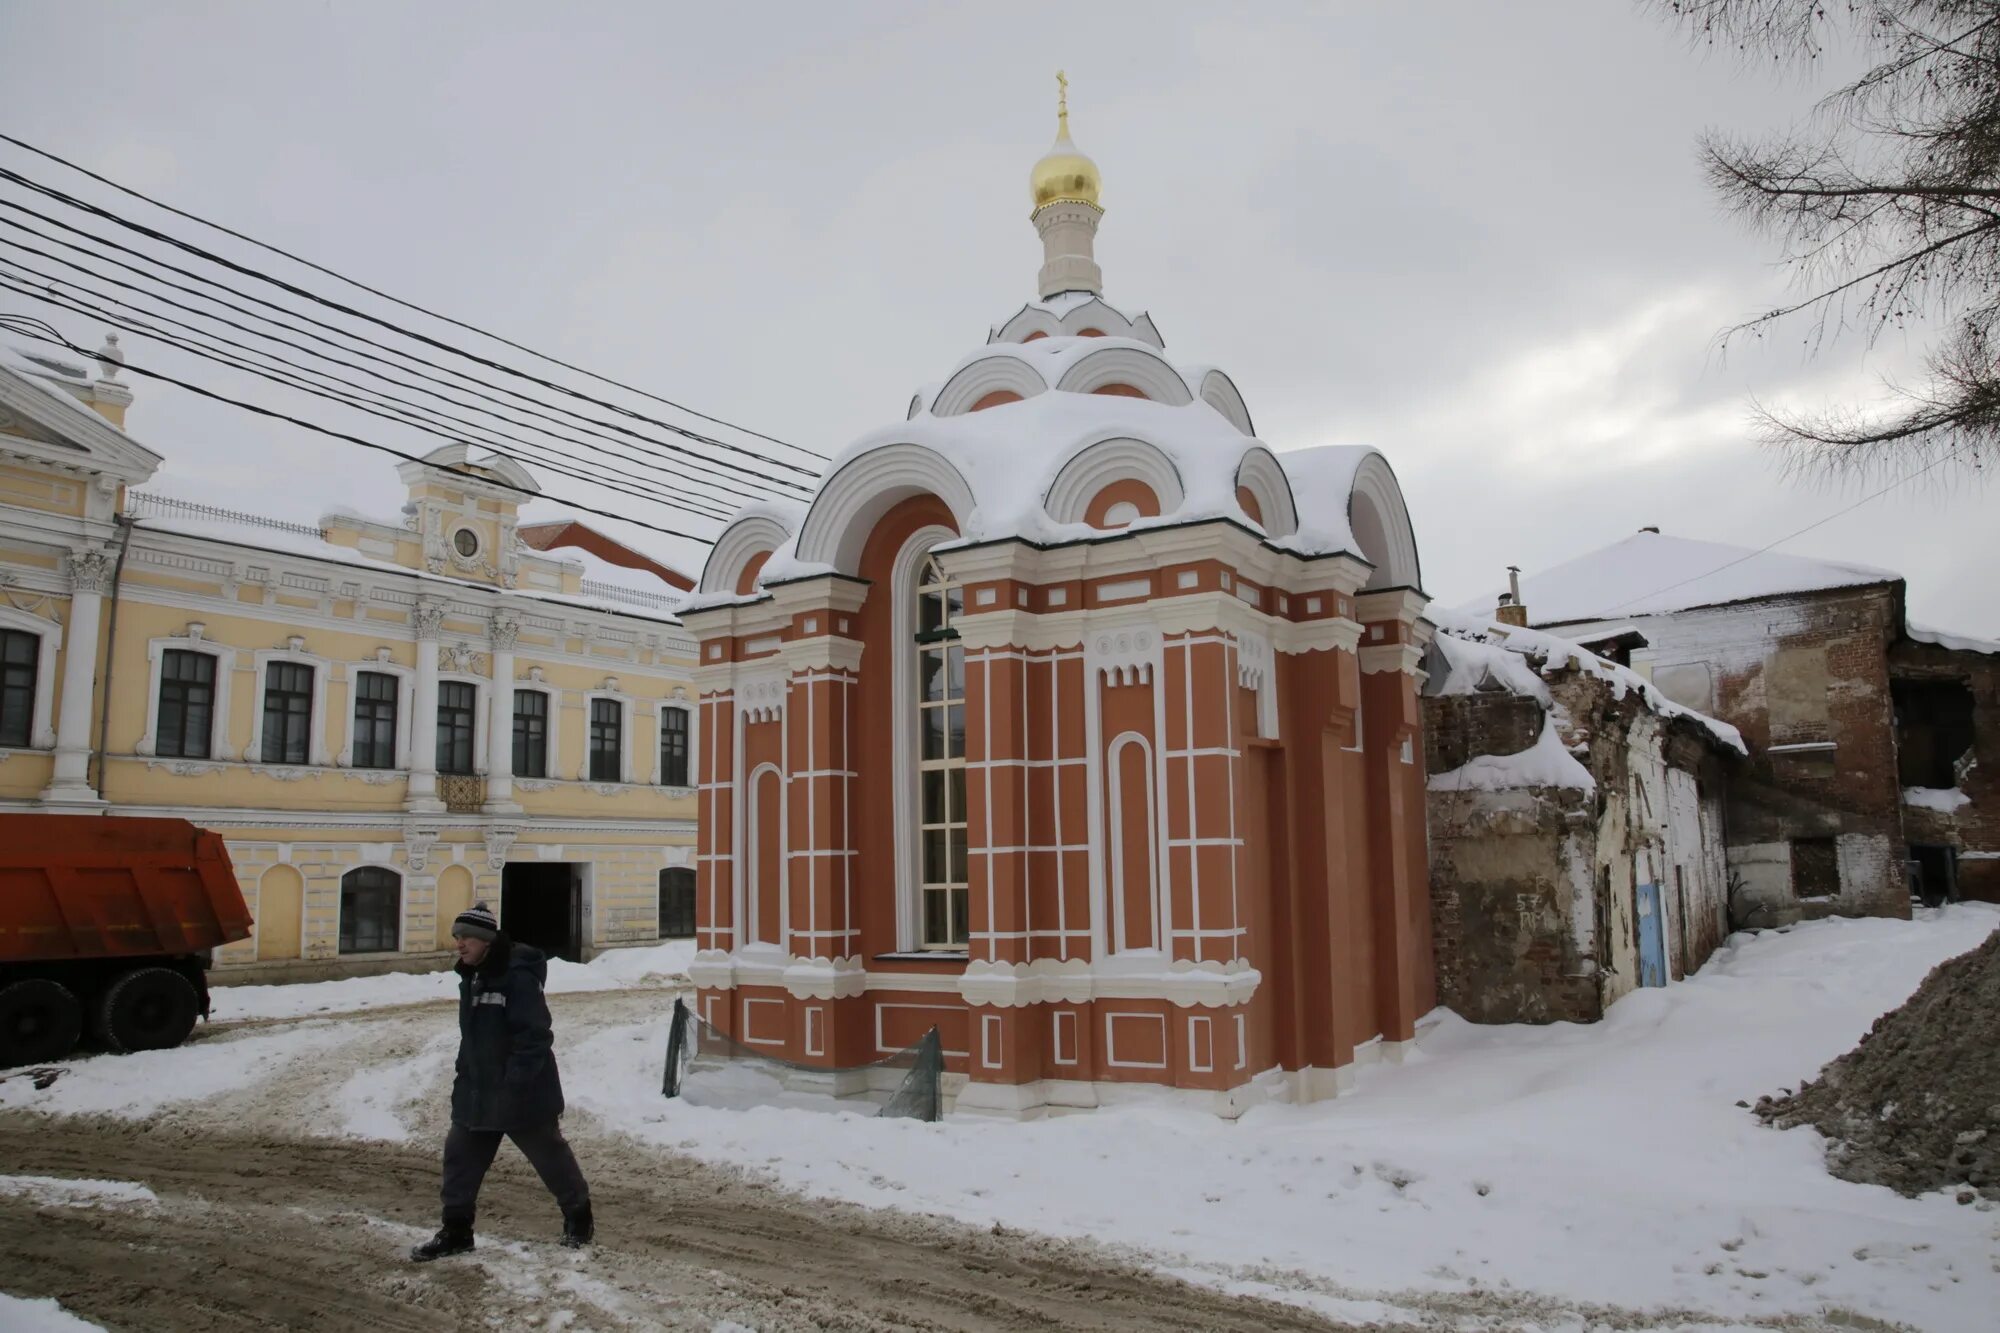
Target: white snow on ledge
(1944, 800)
(1544, 764)
(1955, 642)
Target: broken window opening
(1815, 868)
(1933, 730)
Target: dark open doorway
(1933, 874)
(541, 903)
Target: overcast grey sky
(1470, 234)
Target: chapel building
(1069, 718)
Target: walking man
(507, 1084)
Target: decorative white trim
(41, 724)
(1098, 464)
(1111, 1059)
(316, 722)
(406, 713)
(1380, 522)
(1220, 392)
(219, 747)
(1115, 800)
(627, 723)
(1261, 474)
(825, 979)
(1141, 368)
(866, 487)
(1000, 369)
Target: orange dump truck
(107, 924)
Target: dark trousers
(469, 1152)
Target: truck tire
(147, 1009)
(39, 1020)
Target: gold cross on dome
(1062, 98)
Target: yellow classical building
(385, 719)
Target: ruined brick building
(1576, 825)
(1872, 742)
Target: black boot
(454, 1237)
(578, 1229)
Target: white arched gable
(1220, 392)
(1096, 313)
(740, 542)
(1381, 524)
(1143, 370)
(1096, 466)
(854, 498)
(1264, 477)
(998, 372)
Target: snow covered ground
(660, 963)
(1606, 1164)
(43, 1316)
(1563, 1167)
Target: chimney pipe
(1510, 610)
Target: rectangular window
(375, 720)
(531, 734)
(187, 704)
(676, 904)
(20, 656)
(368, 910)
(607, 727)
(1815, 868)
(288, 697)
(457, 702)
(673, 747)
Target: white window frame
(480, 717)
(627, 715)
(693, 713)
(317, 755)
(41, 723)
(552, 770)
(402, 909)
(219, 748)
(909, 564)
(406, 713)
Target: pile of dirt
(1916, 1106)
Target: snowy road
(1505, 1178)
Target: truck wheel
(147, 1009)
(39, 1020)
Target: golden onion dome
(1064, 175)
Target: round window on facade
(466, 542)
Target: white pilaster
(428, 618)
(500, 726)
(90, 572)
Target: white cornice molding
(1404, 657)
(1391, 604)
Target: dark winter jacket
(506, 1059)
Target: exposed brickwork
(1972, 831)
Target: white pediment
(37, 424)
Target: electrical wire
(188, 247)
(680, 454)
(47, 333)
(407, 305)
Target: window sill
(922, 956)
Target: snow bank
(1944, 800)
(19, 1315)
(1955, 642)
(1608, 1163)
(1544, 764)
(614, 968)
(75, 1193)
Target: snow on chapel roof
(1650, 573)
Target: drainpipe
(125, 523)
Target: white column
(500, 724)
(428, 617)
(90, 575)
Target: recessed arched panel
(1138, 367)
(1121, 504)
(998, 398)
(454, 895)
(751, 537)
(280, 912)
(867, 486)
(1093, 468)
(1263, 478)
(1381, 524)
(1133, 826)
(746, 582)
(999, 372)
(766, 878)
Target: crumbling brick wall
(1972, 830)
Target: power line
(1817, 523)
(374, 394)
(222, 356)
(407, 305)
(47, 333)
(682, 455)
(234, 267)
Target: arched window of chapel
(944, 892)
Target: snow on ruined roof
(1544, 764)
(1478, 652)
(1649, 573)
(1956, 642)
